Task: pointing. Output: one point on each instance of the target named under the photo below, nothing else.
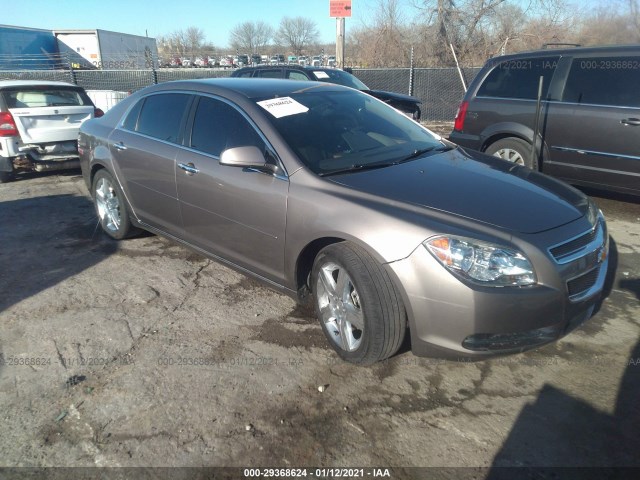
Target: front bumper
(453, 319)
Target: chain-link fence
(439, 89)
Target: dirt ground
(142, 353)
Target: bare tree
(251, 36)
(384, 42)
(297, 33)
(459, 24)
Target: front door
(235, 213)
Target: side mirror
(247, 157)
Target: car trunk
(39, 125)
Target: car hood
(477, 187)
(398, 97)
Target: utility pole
(340, 42)
(339, 9)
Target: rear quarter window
(518, 78)
(613, 81)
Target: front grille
(583, 283)
(561, 251)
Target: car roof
(604, 49)
(28, 83)
(247, 87)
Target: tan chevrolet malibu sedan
(331, 196)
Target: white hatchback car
(39, 123)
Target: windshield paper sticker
(321, 74)
(283, 107)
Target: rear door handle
(119, 146)
(631, 121)
(190, 168)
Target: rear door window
(612, 81)
(518, 78)
(269, 73)
(162, 116)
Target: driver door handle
(190, 168)
(631, 121)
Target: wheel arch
(306, 257)
(500, 132)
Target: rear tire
(6, 177)
(513, 150)
(360, 311)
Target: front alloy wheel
(359, 308)
(339, 307)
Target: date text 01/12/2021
(317, 472)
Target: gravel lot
(142, 353)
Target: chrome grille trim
(579, 245)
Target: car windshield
(344, 131)
(338, 76)
(30, 97)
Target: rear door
(593, 134)
(48, 114)
(144, 151)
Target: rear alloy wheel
(360, 311)
(110, 206)
(514, 150)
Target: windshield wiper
(421, 151)
(358, 167)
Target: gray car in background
(326, 193)
(589, 119)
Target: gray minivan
(589, 123)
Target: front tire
(110, 206)
(359, 308)
(514, 150)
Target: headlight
(593, 213)
(482, 262)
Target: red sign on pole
(339, 8)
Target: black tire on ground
(6, 177)
(363, 286)
(514, 150)
(111, 206)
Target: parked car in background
(303, 60)
(327, 194)
(589, 124)
(226, 61)
(407, 104)
(277, 59)
(39, 123)
(256, 59)
(331, 61)
(316, 61)
(241, 60)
